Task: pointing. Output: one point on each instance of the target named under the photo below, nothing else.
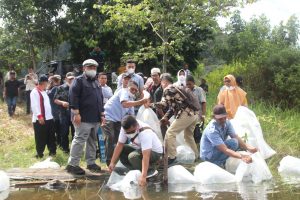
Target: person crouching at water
(215, 147)
(143, 152)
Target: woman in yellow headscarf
(231, 96)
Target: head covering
(232, 98)
(90, 62)
(219, 111)
(70, 75)
(126, 75)
(155, 71)
(57, 76)
(43, 78)
(180, 81)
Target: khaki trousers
(184, 123)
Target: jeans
(11, 105)
(132, 158)
(85, 133)
(218, 157)
(28, 101)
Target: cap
(155, 71)
(126, 75)
(43, 78)
(70, 75)
(219, 111)
(90, 62)
(57, 76)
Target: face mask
(131, 95)
(231, 88)
(130, 70)
(90, 73)
(130, 136)
(182, 78)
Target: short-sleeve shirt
(145, 140)
(12, 87)
(200, 94)
(214, 135)
(113, 109)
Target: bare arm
(145, 162)
(116, 155)
(129, 104)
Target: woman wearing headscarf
(232, 96)
(181, 78)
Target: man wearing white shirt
(30, 81)
(42, 119)
(144, 151)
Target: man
(30, 81)
(130, 69)
(215, 147)
(10, 93)
(61, 98)
(155, 75)
(199, 93)
(121, 104)
(186, 117)
(42, 119)
(203, 85)
(86, 103)
(186, 69)
(106, 90)
(145, 150)
(98, 55)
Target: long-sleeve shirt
(37, 105)
(86, 95)
(30, 83)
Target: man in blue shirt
(86, 103)
(118, 106)
(215, 147)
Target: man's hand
(251, 149)
(41, 121)
(77, 120)
(246, 158)
(65, 104)
(142, 181)
(147, 104)
(164, 121)
(111, 167)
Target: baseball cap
(43, 78)
(219, 111)
(70, 75)
(155, 71)
(90, 62)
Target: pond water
(270, 190)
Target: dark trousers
(44, 135)
(65, 125)
(28, 102)
(111, 135)
(57, 132)
(132, 158)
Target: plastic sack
(178, 174)
(181, 187)
(148, 116)
(4, 181)
(257, 171)
(45, 164)
(289, 166)
(185, 154)
(4, 194)
(232, 164)
(247, 126)
(127, 184)
(209, 173)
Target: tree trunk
(32, 56)
(165, 59)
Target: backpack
(189, 98)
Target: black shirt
(12, 88)
(86, 95)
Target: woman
(181, 78)
(232, 96)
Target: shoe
(52, 154)
(151, 173)
(38, 156)
(94, 168)
(172, 162)
(75, 170)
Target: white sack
(289, 166)
(257, 171)
(244, 122)
(178, 174)
(45, 164)
(185, 154)
(4, 181)
(232, 164)
(148, 116)
(209, 173)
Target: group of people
(83, 104)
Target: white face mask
(182, 78)
(130, 136)
(130, 70)
(90, 73)
(131, 95)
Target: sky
(275, 10)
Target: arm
(116, 155)
(245, 146)
(129, 104)
(145, 166)
(223, 148)
(74, 94)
